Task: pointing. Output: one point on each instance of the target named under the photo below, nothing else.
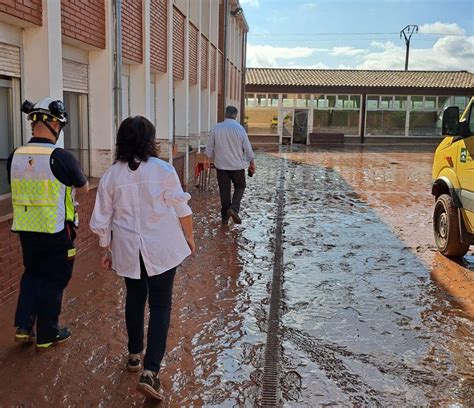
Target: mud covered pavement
(369, 313)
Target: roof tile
(359, 78)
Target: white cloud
(319, 65)
(346, 51)
(251, 3)
(448, 53)
(441, 28)
(309, 6)
(343, 66)
(271, 57)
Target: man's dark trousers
(47, 273)
(225, 179)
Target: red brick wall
(213, 68)
(11, 264)
(204, 61)
(28, 10)
(159, 35)
(11, 261)
(84, 20)
(132, 30)
(193, 54)
(85, 237)
(178, 44)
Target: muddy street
(367, 313)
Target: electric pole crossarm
(407, 32)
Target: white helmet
(46, 110)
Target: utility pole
(407, 33)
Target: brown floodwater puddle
(362, 321)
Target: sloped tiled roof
(359, 78)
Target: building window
(416, 103)
(250, 100)
(386, 102)
(430, 103)
(331, 101)
(400, 103)
(289, 100)
(386, 115)
(355, 101)
(342, 102)
(372, 102)
(76, 133)
(273, 100)
(261, 100)
(10, 128)
(320, 101)
(385, 123)
(303, 101)
(460, 101)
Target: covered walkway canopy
(292, 103)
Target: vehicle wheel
(446, 228)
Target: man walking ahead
(229, 147)
(42, 178)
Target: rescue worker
(43, 178)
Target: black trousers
(47, 273)
(159, 290)
(225, 179)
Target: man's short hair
(231, 112)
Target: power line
(342, 34)
(273, 40)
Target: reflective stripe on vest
(41, 203)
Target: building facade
(287, 105)
(177, 62)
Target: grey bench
(326, 139)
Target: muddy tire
(446, 228)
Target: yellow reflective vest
(41, 203)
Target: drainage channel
(270, 396)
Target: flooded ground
(370, 314)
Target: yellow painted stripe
(34, 150)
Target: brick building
(177, 62)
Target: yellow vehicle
(453, 183)
(274, 122)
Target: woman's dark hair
(135, 141)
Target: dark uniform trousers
(47, 273)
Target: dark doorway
(300, 126)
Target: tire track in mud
(270, 396)
(330, 358)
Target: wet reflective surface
(371, 314)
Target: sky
(360, 34)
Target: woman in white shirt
(144, 224)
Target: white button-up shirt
(140, 210)
(229, 146)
